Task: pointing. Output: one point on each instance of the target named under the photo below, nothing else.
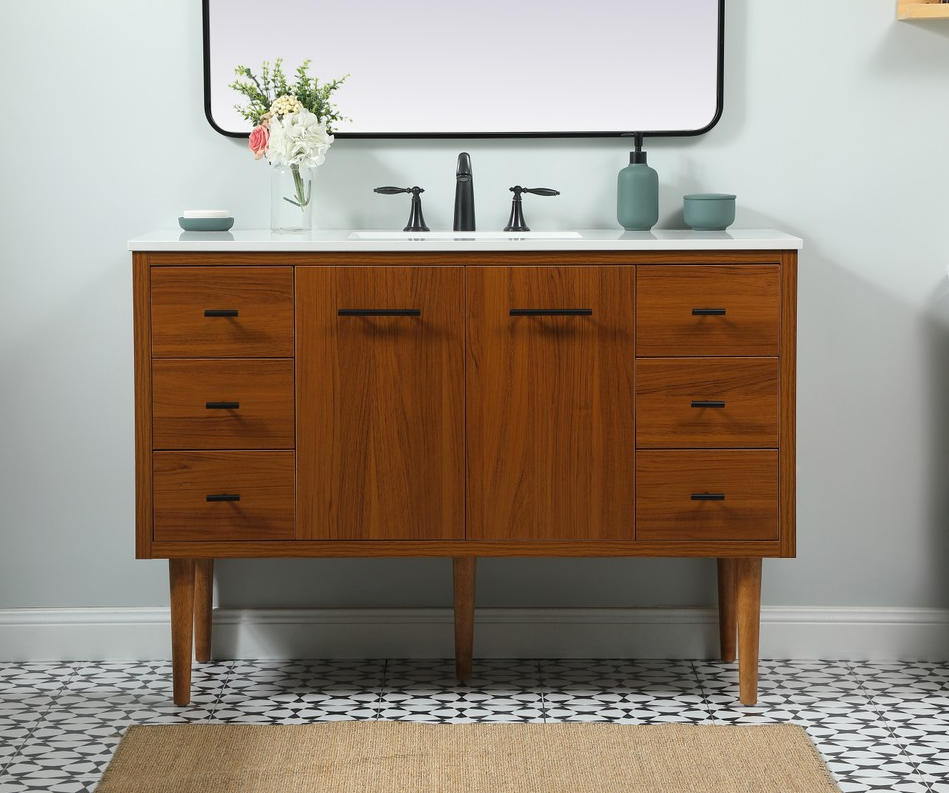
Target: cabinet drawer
(707, 402)
(222, 312)
(223, 496)
(706, 495)
(707, 310)
(223, 404)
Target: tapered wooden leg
(181, 575)
(463, 570)
(748, 597)
(203, 594)
(727, 623)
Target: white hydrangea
(298, 139)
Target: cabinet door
(380, 402)
(550, 425)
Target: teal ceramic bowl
(708, 211)
(206, 224)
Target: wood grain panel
(142, 350)
(550, 426)
(261, 388)
(262, 296)
(743, 390)
(666, 481)
(456, 258)
(480, 548)
(380, 403)
(667, 296)
(788, 394)
(263, 480)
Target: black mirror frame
(719, 104)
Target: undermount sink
(465, 235)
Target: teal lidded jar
(637, 192)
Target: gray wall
(834, 129)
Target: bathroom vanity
(604, 394)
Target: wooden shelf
(922, 9)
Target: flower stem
(301, 189)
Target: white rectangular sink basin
(465, 235)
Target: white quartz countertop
(437, 240)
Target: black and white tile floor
(880, 726)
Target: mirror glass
(495, 68)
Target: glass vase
(291, 198)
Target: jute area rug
(407, 757)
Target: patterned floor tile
(804, 692)
(46, 784)
(498, 691)
(655, 675)
(74, 757)
(643, 692)
(34, 681)
(104, 681)
(298, 692)
(879, 726)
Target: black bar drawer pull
(222, 497)
(708, 312)
(222, 405)
(221, 312)
(551, 312)
(708, 496)
(380, 312)
(707, 403)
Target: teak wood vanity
(625, 395)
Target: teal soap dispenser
(637, 192)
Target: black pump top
(637, 157)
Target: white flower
(284, 105)
(298, 139)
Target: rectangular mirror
(437, 68)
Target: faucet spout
(464, 195)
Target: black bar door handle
(708, 496)
(551, 312)
(222, 497)
(380, 312)
(708, 312)
(221, 312)
(222, 405)
(707, 403)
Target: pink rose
(259, 138)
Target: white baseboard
(143, 633)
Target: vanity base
(739, 609)
(630, 397)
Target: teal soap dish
(206, 224)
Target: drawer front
(222, 312)
(707, 495)
(707, 310)
(223, 496)
(707, 403)
(223, 404)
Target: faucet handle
(516, 221)
(539, 190)
(416, 221)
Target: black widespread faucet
(516, 222)
(464, 195)
(416, 221)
